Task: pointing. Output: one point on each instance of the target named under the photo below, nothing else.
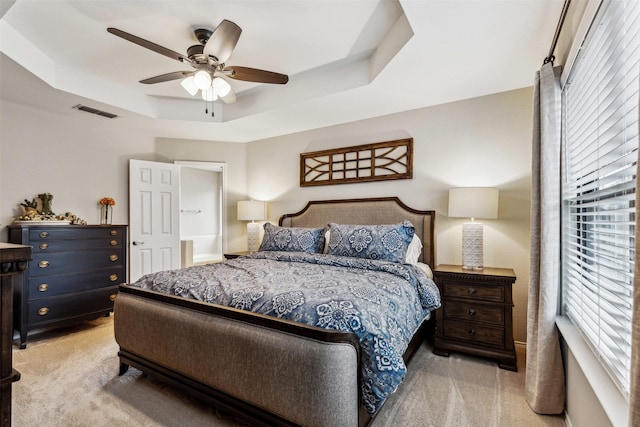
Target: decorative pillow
(383, 242)
(292, 239)
(414, 251)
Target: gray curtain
(634, 399)
(544, 378)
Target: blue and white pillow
(292, 239)
(383, 242)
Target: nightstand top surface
(486, 271)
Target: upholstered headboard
(382, 210)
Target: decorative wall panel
(363, 163)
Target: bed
(274, 369)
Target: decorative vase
(106, 214)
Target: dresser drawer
(474, 312)
(43, 233)
(474, 333)
(49, 245)
(474, 291)
(69, 306)
(49, 286)
(53, 263)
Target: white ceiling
(347, 60)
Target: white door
(154, 217)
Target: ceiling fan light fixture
(202, 79)
(223, 90)
(189, 85)
(220, 86)
(209, 94)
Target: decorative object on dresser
(74, 274)
(106, 210)
(252, 210)
(476, 316)
(473, 202)
(13, 261)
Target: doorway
(202, 212)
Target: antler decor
(373, 162)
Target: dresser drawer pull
(43, 287)
(114, 232)
(113, 257)
(44, 234)
(472, 312)
(472, 332)
(112, 297)
(472, 291)
(43, 311)
(114, 242)
(43, 264)
(44, 245)
(113, 277)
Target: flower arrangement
(107, 201)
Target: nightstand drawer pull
(44, 234)
(472, 291)
(43, 264)
(112, 297)
(114, 242)
(44, 245)
(114, 232)
(472, 332)
(113, 257)
(43, 287)
(113, 277)
(472, 312)
(43, 311)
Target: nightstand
(234, 255)
(476, 316)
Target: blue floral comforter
(381, 302)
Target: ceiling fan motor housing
(203, 35)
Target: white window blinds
(600, 151)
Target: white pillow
(425, 269)
(413, 251)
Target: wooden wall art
(363, 163)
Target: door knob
(137, 243)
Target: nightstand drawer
(474, 312)
(473, 332)
(474, 291)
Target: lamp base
(253, 236)
(472, 243)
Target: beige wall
(80, 159)
(478, 142)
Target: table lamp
(473, 202)
(252, 210)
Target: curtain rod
(550, 57)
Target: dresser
(476, 316)
(73, 276)
(13, 261)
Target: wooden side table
(233, 255)
(13, 260)
(476, 316)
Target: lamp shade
(473, 202)
(251, 210)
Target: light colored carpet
(70, 378)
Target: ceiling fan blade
(149, 45)
(255, 75)
(223, 41)
(167, 77)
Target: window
(600, 152)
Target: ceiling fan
(208, 62)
